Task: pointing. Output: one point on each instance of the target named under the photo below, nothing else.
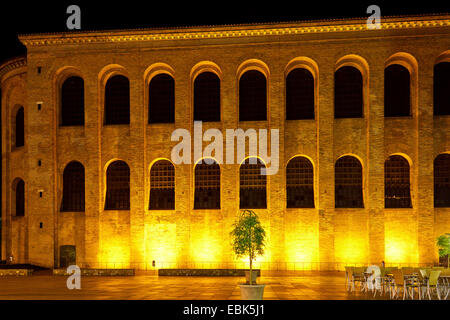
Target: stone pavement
(145, 286)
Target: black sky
(36, 17)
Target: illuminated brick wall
(318, 238)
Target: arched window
(442, 180)
(207, 186)
(161, 99)
(441, 89)
(20, 198)
(252, 193)
(300, 183)
(252, 96)
(207, 97)
(118, 186)
(20, 128)
(397, 192)
(73, 187)
(397, 89)
(348, 93)
(117, 100)
(162, 186)
(348, 183)
(72, 102)
(299, 95)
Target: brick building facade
(40, 228)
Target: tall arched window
(397, 192)
(207, 97)
(117, 100)
(207, 186)
(161, 99)
(252, 191)
(72, 102)
(441, 88)
(20, 198)
(299, 95)
(442, 180)
(20, 128)
(300, 183)
(397, 89)
(252, 96)
(348, 183)
(118, 186)
(73, 187)
(162, 186)
(348, 93)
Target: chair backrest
(425, 273)
(434, 276)
(398, 277)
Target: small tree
(248, 237)
(443, 243)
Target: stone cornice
(233, 31)
(12, 64)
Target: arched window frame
(73, 192)
(299, 183)
(198, 113)
(153, 71)
(253, 65)
(360, 64)
(441, 171)
(19, 128)
(66, 120)
(18, 198)
(252, 185)
(442, 108)
(162, 185)
(207, 187)
(348, 182)
(117, 195)
(397, 182)
(410, 63)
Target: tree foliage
(443, 243)
(248, 236)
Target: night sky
(19, 17)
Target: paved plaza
(146, 286)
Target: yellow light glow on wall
(301, 240)
(114, 256)
(401, 239)
(351, 240)
(160, 245)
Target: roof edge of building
(67, 36)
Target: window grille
(348, 183)
(252, 186)
(73, 187)
(396, 183)
(300, 183)
(207, 186)
(118, 186)
(162, 186)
